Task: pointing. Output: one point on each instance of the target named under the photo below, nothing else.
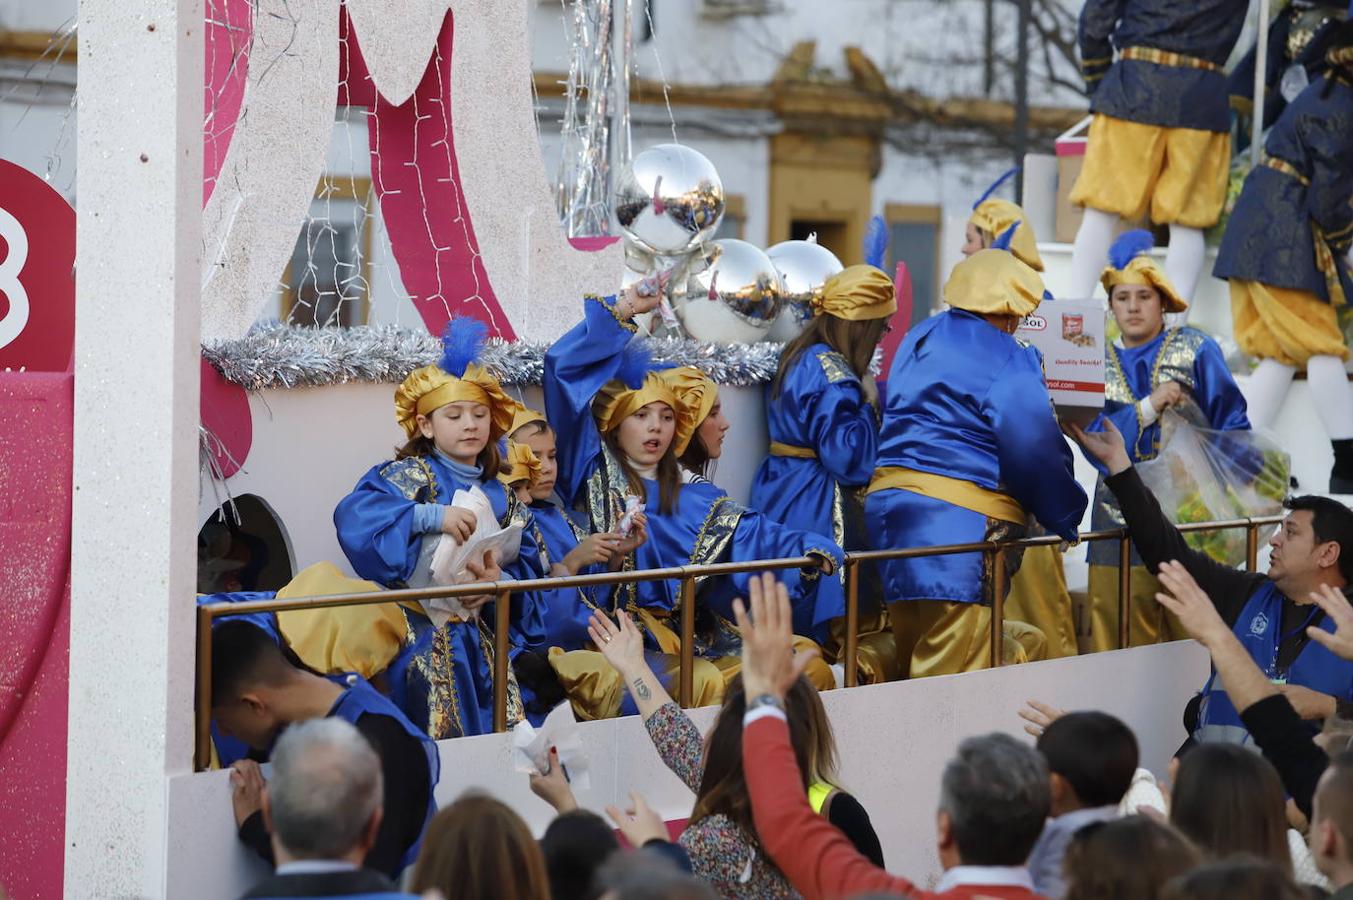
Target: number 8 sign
(37, 275)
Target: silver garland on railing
(288, 356)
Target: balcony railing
(994, 551)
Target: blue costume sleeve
(1035, 461)
(1327, 199)
(1217, 393)
(845, 433)
(1097, 22)
(816, 597)
(1124, 417)
(576, 367)
(376, 530)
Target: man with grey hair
(323, 808)
(994, 794)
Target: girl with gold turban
(453, 415)
(822, 415)
(1148, 370)
(969, 449)
(618, 424)
(1000, 224)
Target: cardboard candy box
(1070, 335)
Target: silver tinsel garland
(287, 356)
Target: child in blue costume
(454, 414)
(970, 448)
(617, 425)
(1285, 256)
(822, 417)
(1154, 369)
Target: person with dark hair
(994, 794)
(479, 849)
(575, 845)
(323, 807)
(1235, 879)
(1230, 802)
(256, 693)
(724, 846)
(1272, 615)
(633, 876)
(1091, 758)
(1127, 859)
(1331, 834)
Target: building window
(734, 221)
(914, 233)
(327, 282)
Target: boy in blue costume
(1150, 369)
(618, 424)
(970, 448)
(1285, 256)
(257, 692)
(454, 414)
(1160, 140)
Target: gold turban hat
(994, 282)
(856, 293)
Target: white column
(133, 552)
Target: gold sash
(1168, 58)
(779, 449)
(951, 490)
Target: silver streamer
(596, 138)
(286, 356)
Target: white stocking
(1090, 253)
(1268, 389)
(1332, 395)
(1184, 261)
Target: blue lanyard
(1273, 671)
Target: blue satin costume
(1167, 95)
(819, 408)
(568, 610)
(1269, 237)
(966, 401)
(443, 677)
(1184, 355)
(707, 526)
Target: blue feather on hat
(462, 339)
(636, 361)
(1003, 240)
(995, 185)
(876, 242)
(1130, 245)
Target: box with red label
(1070, 335)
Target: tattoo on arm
(641, 690)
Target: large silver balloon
(669, 200)
(804, 266)
(734, 296)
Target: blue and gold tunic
(567, 610)
(1170, 58)
(707, 525)
(824, 445)
(1292, 224)
(1184, 355)
(443, 677)
(969, 441)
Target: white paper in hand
(531, 747)
(450, 560)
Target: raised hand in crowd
(622, 644)
(1038, 716)
(639, 824)
(1191, 605)
(1340, 612)
(247, 786)
(552, 786)
(1107, 446)
(769, 663)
